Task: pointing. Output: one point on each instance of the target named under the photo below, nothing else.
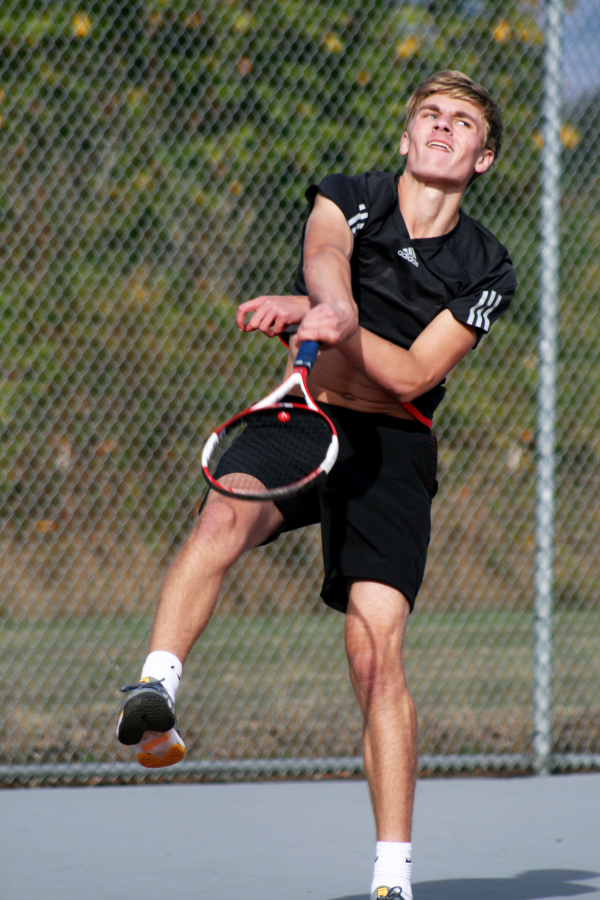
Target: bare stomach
(333, 380)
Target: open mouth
(439, 145)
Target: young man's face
(445, 143)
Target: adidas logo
(409, 255)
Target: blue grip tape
(307, 354)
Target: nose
(444, 123)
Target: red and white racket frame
(273, 401)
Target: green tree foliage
(154, 161)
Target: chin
(443, 180)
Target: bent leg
(225, 529)
(375, 627)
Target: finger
(246, 307)
(322, 335)
(256, 321)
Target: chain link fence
(154, 156)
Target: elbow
(414, 379)
(409, 389)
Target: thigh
(376, 507)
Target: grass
(276, 685)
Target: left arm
(406, 374)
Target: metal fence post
(548, 347)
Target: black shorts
(374, 506)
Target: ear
(485, 160)
(404, 144)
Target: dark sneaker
(386, 893)
(147, 721)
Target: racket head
(270, 452)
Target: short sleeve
(349, 193)
(487, 297)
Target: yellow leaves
(362, 79)
(407, 47)
(525, 30)
(501, 32)
(45, 525)
(243, 23)
(236, 188)
(333, 43)
(142, 180)
(81, 25)
(136, 97)
(523, 34)
(569, 136)
(528, 32)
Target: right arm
(329, 314)
(328, 245)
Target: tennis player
(397, 284)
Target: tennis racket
(278, 446)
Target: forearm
(328, 279)
(407, 374)
(333, 315)
(386, 365)
(328, 244)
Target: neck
(428, 210)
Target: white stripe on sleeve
(490, 308)
(479, 314)
(357, 218)
(474, 311)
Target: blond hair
(460, 86)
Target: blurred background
(154, 157)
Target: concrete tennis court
(474, 838)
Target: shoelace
(146, 684)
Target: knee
(375, 671)
(218, 528)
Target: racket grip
(306, 356)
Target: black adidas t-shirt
(400, 285)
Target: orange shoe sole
(174, 755)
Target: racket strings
(274, 447)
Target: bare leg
(375, 627)
(225, 529)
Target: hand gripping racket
(278, 446)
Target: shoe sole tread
(146, 712)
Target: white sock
(165, 667)
(393, 867)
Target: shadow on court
(535, 885)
